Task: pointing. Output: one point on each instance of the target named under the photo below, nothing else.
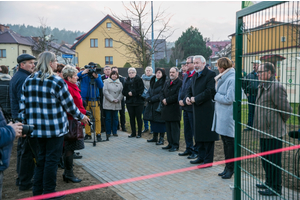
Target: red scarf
(190, 75)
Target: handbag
(158, 109)
(75, 131)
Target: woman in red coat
(70, 76)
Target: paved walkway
(123, 158)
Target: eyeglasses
(260, 72)
(189, 63)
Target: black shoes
(198, 161)
(99, 139)
(261, 186)
(131, 136)
(25, 188)
(167, 147)
(161, 139)
(173, 149)
(223, 173)
(116, 135)
(145, 130)
(77, 155)
(154, 139)
(184, 153)
(227, 175)
(138, 136)
(87, 137)
(268, 192)
(151, 132)
(124, 130)
(193, 156)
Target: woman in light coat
(223, 122)
(112, 97)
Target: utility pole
(152, 46)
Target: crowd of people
(51, 96)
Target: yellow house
(276, 42)
(105, 44)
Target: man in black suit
(170, 111)
(200, 95)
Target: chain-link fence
(267, 57)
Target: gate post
(237, 106)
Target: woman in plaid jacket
(45, 99)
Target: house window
(94, 43)
(108, 25)
(108, 42)
(24, 51)
(108, 60)
(2, 53)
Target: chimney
(3, 28)
(272, 19)
(126, 24)
(36, 39)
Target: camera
(92, 69)
(27, 129)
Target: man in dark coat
(25, 163)
(187, 111)
(200, 95)
(171, 110)
(251, 88)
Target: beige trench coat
(268, 117)
(112, 90)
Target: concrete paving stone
(107, 162)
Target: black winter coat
(153, 99)
(251, 87)
(203, 89)
(136, 86)
(171, 112)
(15, 90)
(4, 95)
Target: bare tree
(137, 22)
(45, 38)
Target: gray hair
(201, 58)
(131, 69)
(149, 68)
(69, 71)
(176, 69)
(43, 64)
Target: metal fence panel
(269, 117)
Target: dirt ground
(11, 191)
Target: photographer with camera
(25, 156)
(8, 132)
(90, 94)
(45, 99)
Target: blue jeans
(188, 131)
(111, 121)
(50, 150)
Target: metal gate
(267, 32)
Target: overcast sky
(214, 19)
